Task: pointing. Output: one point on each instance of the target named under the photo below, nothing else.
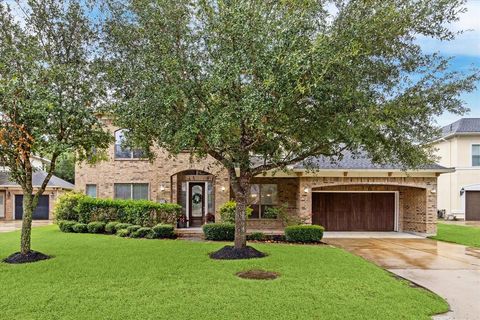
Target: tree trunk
(241, 191)
(28, 208)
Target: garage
(41, 213)
(354, 211)
(472, 205)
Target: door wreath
(196, 198)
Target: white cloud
(467, 43)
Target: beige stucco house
(350, 195)
(459, 148)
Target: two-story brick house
(459, 148)
(350, 195)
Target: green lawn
(466, 235)
(106, 277)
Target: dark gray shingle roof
(465, 125)
(354, 161)
(37, 179)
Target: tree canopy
(49, 90)
(259, 85)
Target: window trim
(96, 189)
(260, 199)
(471, 155)
(3, 209)
(131, 190)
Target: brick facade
(164, 175)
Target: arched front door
(196, 204)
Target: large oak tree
(49, 90)
(259, 85)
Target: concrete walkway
(450, 270)
(8, 226)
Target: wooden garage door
(354, 211)
(472, 206)
(41, 212)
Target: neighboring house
(459, 149)
(350, 195)
(11, 194)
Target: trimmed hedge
(256, 236)
(123, 233)
(140, 212)
(81, 208)
(164, 231)
(66, 206)
(111, 227)
(219, 231)
(96, 227)
(227, 212)
(66, 226)
(142, 232)
(133, 228)
(120, 226)
(80, 228)
(304, 233)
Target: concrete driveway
(8, 226)
(450, 270)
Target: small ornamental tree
(48, 90)
(259, 85)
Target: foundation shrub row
(160, 231)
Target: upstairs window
(476, 155)
(131, 191)
(262, 196)
(122, 152)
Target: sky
(464, 50)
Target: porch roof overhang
(351, 172)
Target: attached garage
(472, 205)
(354, 211)
(41, 213)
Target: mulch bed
(231, 253)
(258, 275)
(32, 256)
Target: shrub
(80, 228)
(304, 233)
(142, 232)
(163, 231)
(139, 212)
(219, 231)
(227, 212)
(133, 228)
(66, 226)
(120, 226)
(66, 206)
(96, 227)
(123, 233)
(111, 227)
(256, 236)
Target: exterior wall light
(433, 191)
(162, 188)
(462, 191)
(306, 190)
(223, 189)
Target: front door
(196, 215)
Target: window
(135, 191)
(475, 155)
(122, 152)
(262, 196)
(2, 205)
(91, 190)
